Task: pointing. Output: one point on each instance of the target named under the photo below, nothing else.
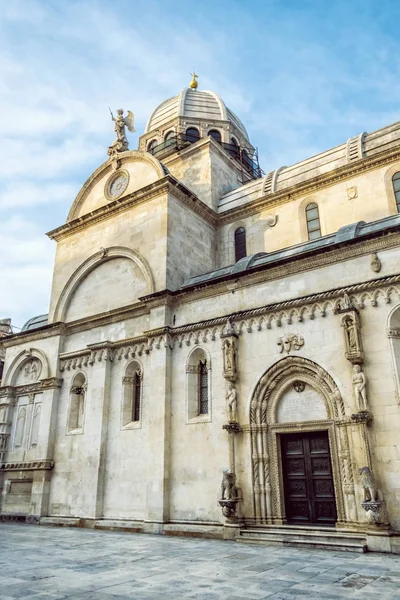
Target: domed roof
(193, 104)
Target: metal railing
(247, 157)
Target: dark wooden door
(308, 482)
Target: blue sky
(303, 76)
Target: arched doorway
(301, 463)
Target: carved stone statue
(230, 358)
(228, 485)
(231, 401)
(368, 483)
(360, 392)
(289, 343)
(351, 333)
(346, 303)
(121, 143)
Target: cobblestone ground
(45, 563)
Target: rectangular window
(137, 393)
(203, 389)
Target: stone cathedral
(221, 355)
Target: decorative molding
(36, 465)
(393, 333)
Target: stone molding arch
(20, 359)
(391, 198)
(91, 263)
(267, 476)
(107, 167)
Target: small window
(151, 145)
(203, 388)
(216, 135)
(192, 135)
(396, 189)
(313, 224)
(233, 148)
(240, 243)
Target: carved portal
(268, 493)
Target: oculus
(116, 185)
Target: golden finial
(193, 84)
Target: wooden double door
(307, 478)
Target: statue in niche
(359, 383)
(228, 485)
(346, 303)
(231, 402)
(368, 483)
(351, 333)
(120, 122)
(229, 351)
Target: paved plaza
(44, 563)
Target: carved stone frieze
(7, 390)
(290, 343)
(362, 417)
(393, 333)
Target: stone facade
(167, 366)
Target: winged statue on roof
(120, 125)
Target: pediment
(133, 171)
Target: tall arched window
(198, 381)
(77, 404)
(151, 145)
(132, 386)
(216, 135)
(312, 219)
(396, 189)
(169, 138)
(192, 135)
(240, 243)
(233, 148)
(203, 388)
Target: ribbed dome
(193, 104)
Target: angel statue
(121, 143)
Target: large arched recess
(88, 266)
(143, 169)
(267, 477)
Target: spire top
(194, 84)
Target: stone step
(305, 536)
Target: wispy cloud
(302, 76)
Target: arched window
(132, 395)
(151, 145)
(77, 404)
(192, 135)
(240, 243)
(216, 135)
(396, 189)
(170, 138)
(198, 372)
(312, 219)
(234, 148)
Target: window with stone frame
(198, 386)
(313, 222)
(240, 243)
(396, 189)
(76, 410)
(132, 392)
(216, 135)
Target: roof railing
(247, 157)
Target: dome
(35, 323)
(193, 104)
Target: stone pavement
(43, 563)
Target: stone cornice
(310, 186)
(166, 185)
(40, 333)
(31, 388)
(35, 465)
